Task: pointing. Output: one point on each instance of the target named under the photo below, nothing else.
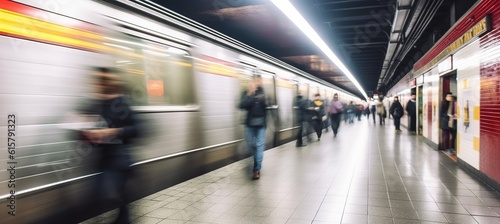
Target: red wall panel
(490, 94)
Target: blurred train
(184, 80)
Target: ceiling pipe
(419, 26)
(424, 24)
(400, 19)
(423, 11)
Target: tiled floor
(367, 174)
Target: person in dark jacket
(448, 123)
(318, 115)
(397, 112)
(114, 129)
(302, 119)
(254, 102)
(359, 111)
(351, 110)
(326, 123)
(373, 109)
(411, 108)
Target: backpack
(398, 112)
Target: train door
(304, 92)
(246, 73)
(448, 84)
(286, 91)
(324, 96)
(272, 130)
(313, 91)
(296, 92)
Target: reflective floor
(367, 174)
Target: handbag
(257, 121)
(397, 112)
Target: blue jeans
(351, 117)
(256, 140)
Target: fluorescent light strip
(289, 10)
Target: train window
(168, 76)
(246, 74)
(296, 92)
(158, 75)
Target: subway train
(184, 81)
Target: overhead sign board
(477, 30)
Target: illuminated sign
(477, 30)
(445, 65)
(155, 87)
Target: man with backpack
(254, 101)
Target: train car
(184, 81)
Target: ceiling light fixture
(289, 10)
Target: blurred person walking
(366, 111)
(373, 109)
(344, 116)
(359, 111)
(326, 123)
(411, 108)
(254, 102)
(381, 111)
(111, 136)
(351, 110)
(387, 105)
(302, 119)
(448, 123)
(335, 110)
(318, 115)
(397, 112)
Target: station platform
(367, 174)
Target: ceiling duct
(403, 8)
(421, 13)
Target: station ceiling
(357, 31)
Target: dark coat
(255, 105)
(351, 108)
(318, 112)
(411, 108)
(302, 112)
(115, 113)
(396, 105)
(443, 115)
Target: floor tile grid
(235, 178)
(453, 208)
(318, 217)
(395, 212)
